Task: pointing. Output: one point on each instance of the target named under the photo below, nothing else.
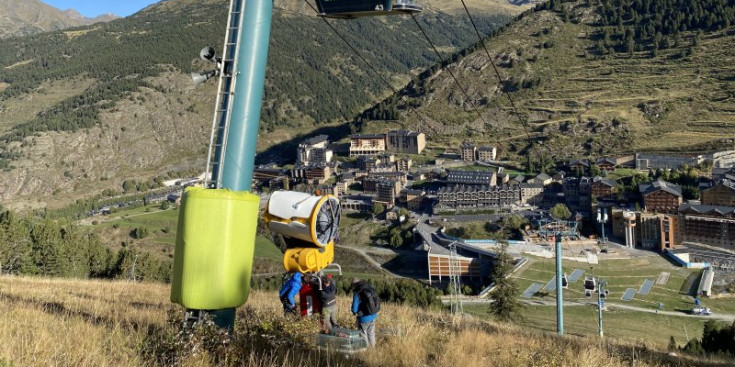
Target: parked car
(702, 311)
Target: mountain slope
(593, 80)
(25, 17)
(82, 20)
(84, 109)
(127, 323)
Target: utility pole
(601, 295)
(559, 295)
(454, 276)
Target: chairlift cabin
(564, 281)
(350, 9)
(590, 283)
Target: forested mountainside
(86, 108)
(25, 17)
(587, 78)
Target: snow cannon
(309, 224)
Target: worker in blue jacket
(365, 305)
(289, 290)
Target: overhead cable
(370, 66)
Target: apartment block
(661, 196)
(405, 141)
(367, 144)
(487, 154)
(468, 152)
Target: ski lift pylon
(350, 9)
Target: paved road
(715, 316)
(470, 217)
(369, 259)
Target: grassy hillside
(591, 79)
(116, 232)
(134, 324)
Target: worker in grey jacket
(329, 303)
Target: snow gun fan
(309, 225)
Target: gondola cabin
(590, 283)
(349, 9)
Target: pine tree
(560, 212)
(16, 247)
(505, 306)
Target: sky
(93, 8)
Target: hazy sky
(93, 8)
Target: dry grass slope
(102, 323)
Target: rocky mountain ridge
(26, 17)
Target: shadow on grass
(669, 259)
(408, 266)
(59, 309)
(691, 284)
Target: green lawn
(629, 326)
(162, 224)
(266, 249)
(474, 168)
(422, 159)
(621, 275)
(147, 216)
(620, 173)
(350, 219)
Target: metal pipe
(599, 311)
(249, 74)
(559, 295)
(601, 295)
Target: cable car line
(497, 73)
(392, 88)
(370, 66)
(353, 49)
(523, 121)
(441, 59)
